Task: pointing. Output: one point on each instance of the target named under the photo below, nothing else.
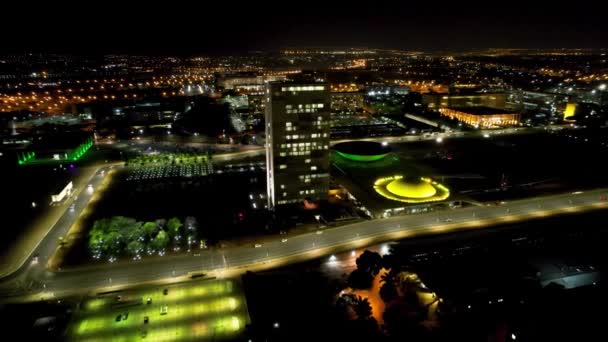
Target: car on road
(72, 207)
(149, 300)
(35, 259)
(125, 316)
(164, 309)
(165, 291)
(257, 245)
(119, 318)
(448, 220)
(146, 319)
(319, 232)
(284, 240)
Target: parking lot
(201, 310)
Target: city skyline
(300, 171)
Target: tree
(161, 223)
(133, 232)
(362, 308)
(191, 224)
(135, 248)
(173, 227)
(161, 241)
(150, 228)
(401, 323)
(122, 224)
(112, 244)
(97, 236)
(388, 292)
(359, 279)
(369, 262)
(388, 277)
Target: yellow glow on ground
(373, 296)
(403, 188)
(398, 188)
(195, 310)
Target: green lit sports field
(201, 310)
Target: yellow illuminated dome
(411, 189)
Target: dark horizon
(187, 30)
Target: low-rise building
(484, 117)
(436, 101)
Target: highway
(33, 278)
(233, 261)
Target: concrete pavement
(308, 246)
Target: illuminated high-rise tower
(297, 142)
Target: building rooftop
(481, 110)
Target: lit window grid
(482, 120)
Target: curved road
(302, 247)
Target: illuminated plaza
(204, 310)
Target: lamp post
(318, 218)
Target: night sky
(185, 29)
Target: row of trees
(115, 236)
(170, 158)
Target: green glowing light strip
(25, 157)
(361, 158)
(79, 151)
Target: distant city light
(439, 140)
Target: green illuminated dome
(362, 151)
(411, 189)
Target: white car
(72, 207)
(257, 245)
(319, 232)
(283, 240)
